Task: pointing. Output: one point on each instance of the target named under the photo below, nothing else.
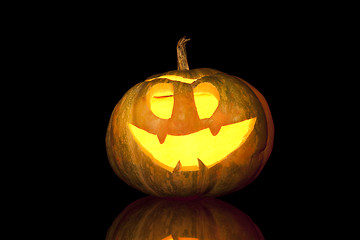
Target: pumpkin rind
(238, 101)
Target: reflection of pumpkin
(203, 219)
(189, 133)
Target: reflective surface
(201, 219)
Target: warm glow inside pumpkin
(200, 145)
(162, 99)
(175, 78)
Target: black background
(89, 60)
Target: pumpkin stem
(181, 54)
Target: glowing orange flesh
(161, 97)
(175, 78)
(199, 145)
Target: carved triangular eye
(161, 100)
(206, 98)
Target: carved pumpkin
(202, 219)
(184, 133)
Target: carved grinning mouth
(185, 151)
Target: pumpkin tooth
(214, 129)
(177, 167)
(202, 166)
(161, 136)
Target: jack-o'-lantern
(184, 133)
(200, 219)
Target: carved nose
(184, 119)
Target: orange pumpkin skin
(239, 101)
(201, 219)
